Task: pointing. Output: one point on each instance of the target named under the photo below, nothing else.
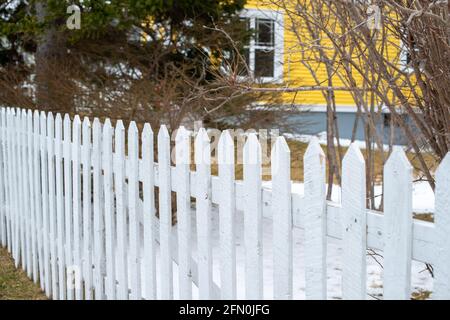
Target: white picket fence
(76, 219)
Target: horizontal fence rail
(86, 212)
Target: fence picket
(110, 284)
(165, 213)
(38, 193)
(183, 155)
(315, 222)
(122, 230)
(4, 178)
(76, 207)
(52, 204)
(60, 219)
(282, 220)
(2, 189)
(442, 235)
(34, 195)
(99, 224)
(203, 204)
(68, 205)
(87, 209)
(227, 217)
(354, 225)
(253, 219)
(15, 185)
(27, 191)
(133, 198)
(397, 226)
(148, 212)
(21, 188)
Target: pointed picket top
(67, 127)
(50, 124)
(202, 147)
(443, 171)
(119, 127)
(226, 148)
(107, 125)
(147, 131)
(24, 113)
(132, 129)
(442, 225)
(354, 154)
(86, 134)
(252, 150)
(398, 160)
(314, 149)
(182, 140)
(281, 156)
(43, 122)
(398, 222)
(163, 134)
(76, 125)
(58, 118)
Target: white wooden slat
(87, 210)
(227, 216)
(99, 225)
(441, 286)
(59, 181)
(133, 197)
(315, 222)
(165, 213)
(282, 220)
(10, 182)
(5, 120)
(52, 205)
(203, 211)
(30, 205)
(68, 205)
(122, 225)
(45, 206)
(33, 205)
(4, 180)
(182, 159)
(2, 189)
(15, 187)
(110, 281)
(398, 218)
(21, 187)
(27, 191)
(148, 212)
(354, 225)
(77, 207)
(253, 219)
(2, 184)
(38, 196)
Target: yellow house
(273, 57)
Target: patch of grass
(14, 283)
(421, 295)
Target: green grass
(14, 283)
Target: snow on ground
(421, 280)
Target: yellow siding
(296, 74)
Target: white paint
(398, 175)
(252, 196)
(227, 215)
(182, 159)
(316, 220)
(282, 220)
(442, 235)
(203, 204)
(354, 225)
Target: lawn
(14, 283)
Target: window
(405, 50)
(264, 52)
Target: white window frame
(277, 17)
